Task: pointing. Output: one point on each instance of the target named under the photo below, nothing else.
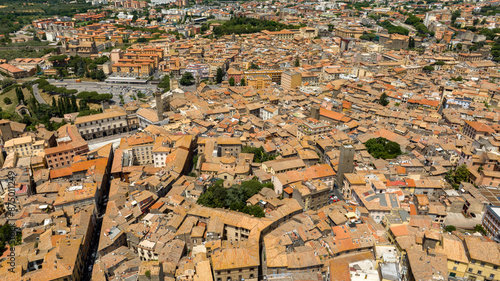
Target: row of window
(479, 272)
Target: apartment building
(311, 195)
(160, 152)
(69, 144)
(491, 221)
(236, 261)
(484, 259)
(231, 145)
(268, 112)
(313, 129)
(25, 146)
(102, 125)
(143, 154)
(135, 67)
(474, 129)
(274, 74)
(77, 196)
(290, 80)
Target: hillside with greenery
(15, 14)
(242, 25)
(234, 198)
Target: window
(454, 268)
(456, 262)
(470, 269)
(479, 272)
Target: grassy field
(12, 95)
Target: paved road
(116, 89)
(36, 93)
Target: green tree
(100, 75)
(7, 100)
(231, 81)
(19, 95)
(234, 198)
(428, 68)
(383, 148)
(242, 82)
(297, 62)
(187, 79)
(479, 228)
(460, 174)
(384, 101)
(450, 228)
(148, 273)
(165, 83)
(254, 66)
(220, 75)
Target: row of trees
(234, 198)
(393, 28)
(94, 97)
(53, 90)
(91, 97)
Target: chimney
(159, 106)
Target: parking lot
(459, 221)
(116, 89)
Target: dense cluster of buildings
(115, 195)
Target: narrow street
(94, 242)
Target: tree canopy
(187, 79)
(241, 25)
(384, 101)
(234, 198)
(383, 148)
(460, 174)
(259, 155)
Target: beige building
(308, 32)
(484, 259)
(228, 145)
(143, 154)
(236, 261)
(259, 81)
(25, 146)
(290, 80)
(313, 129)
(102, 125)
(311, 195)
